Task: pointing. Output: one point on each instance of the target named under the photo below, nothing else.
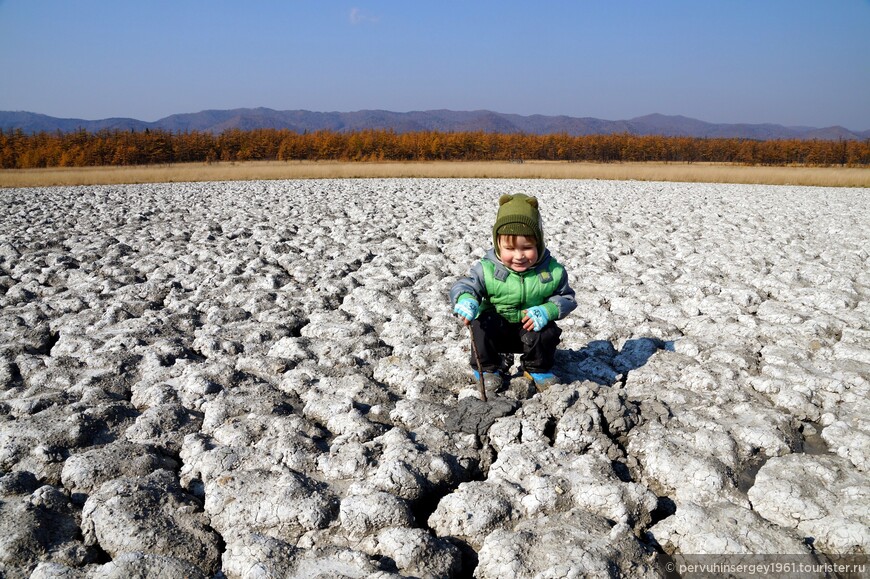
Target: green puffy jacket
(495, 286)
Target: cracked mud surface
(264, 379)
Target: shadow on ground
(602, 363)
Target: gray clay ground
(264, 379)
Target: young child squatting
(513, 296)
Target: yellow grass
(696, 172)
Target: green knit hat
(518, 215)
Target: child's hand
(466, 308)
(535, 319)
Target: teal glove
(466, 308)
(538, 315)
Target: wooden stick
(482, 388)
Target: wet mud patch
(811, 439)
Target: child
(513, 296)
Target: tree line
(119, 148)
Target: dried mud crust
(264, 378)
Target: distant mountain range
(217, 121)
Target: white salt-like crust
(265, 379)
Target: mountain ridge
(443, 120)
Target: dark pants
(494, 335)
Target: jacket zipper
(523, 302)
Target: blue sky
(790, 62)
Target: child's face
(519, 252)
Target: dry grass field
(254, 170)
